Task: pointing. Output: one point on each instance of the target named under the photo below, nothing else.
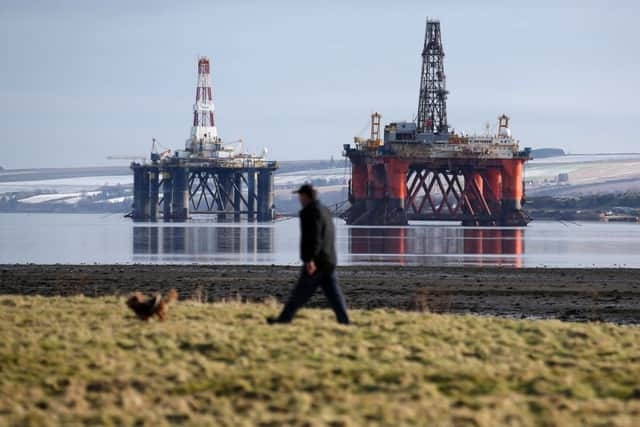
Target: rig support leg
(141, 193)
(265, 196)
(493, 189)
(167, 198)
(226, 184)
(512, 193)
(251, 196)
(396, 171)
(357, 193)
(180, 204)
(237, 196)
(375, 208)
(154, 194)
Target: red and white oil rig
(210, 176)
(423, 170)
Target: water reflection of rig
(209, 176)
(463, 246)
(224, 243)
(423, 170)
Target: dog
(145, 309)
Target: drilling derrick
(208, 177)
(204, 126)
(432, 103)
(423, 170)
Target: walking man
(317, 251)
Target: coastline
(611, 295)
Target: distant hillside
(10, 175)
(541, 153)
(287, 166)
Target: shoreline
(607, 294)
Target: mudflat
(611, 295)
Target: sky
(83, 80)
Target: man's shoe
(274, 320)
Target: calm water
(83, 238)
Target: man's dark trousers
(307, 286)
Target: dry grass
(87, 361)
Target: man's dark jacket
(318, 236)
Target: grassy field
(80, 360)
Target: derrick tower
(432, 104)
(204, 129)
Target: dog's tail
(171, 296)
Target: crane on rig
(374, 141)
(155, 155)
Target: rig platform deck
(176, 188)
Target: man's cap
(306, 189)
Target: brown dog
(147, 308)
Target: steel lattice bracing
(209, 192)
(432, 105)
(443, 194)
(235, 193)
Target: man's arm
(311, 237)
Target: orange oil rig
(423, 170)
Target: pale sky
(81, 80)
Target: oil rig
(424, 170)
(208, 177)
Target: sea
(51, 238)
